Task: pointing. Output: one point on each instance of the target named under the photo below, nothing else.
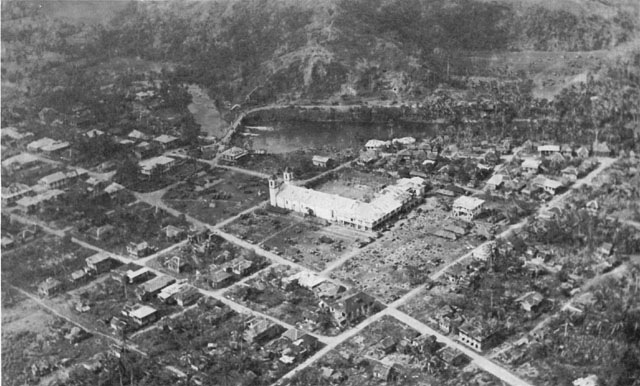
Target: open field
(217, 195)
(312, 245)
(403, 258)
(46, 257)
(257, 226)
(35, 349)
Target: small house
(139, 249)
(167, 294)
(173, 233)
(386, 346)
(220, 279)
(593, 207)
(386, 372)
(187, 296)
(12, 193)
(605, 250)
(601, 149)
(531, 166)
(570, 173)
(79, 276)
(531, 301)
(99, 263)
(50, 287)
(582, 152)
(452, 356)
(321, 161)
(551, 186)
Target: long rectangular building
(349, 212)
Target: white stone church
(387, 203)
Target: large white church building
(406, 193)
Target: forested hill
(264, 50)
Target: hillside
(261, 51)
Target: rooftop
(469, 203)
(142, 312)
(165, 139)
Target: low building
(220, 279)
(261, 330)
(187, 296)
(138, 275)
(375, 145)
(143, 315)
(495, 182)
(241, 266)
(452, 356)
(547, 150)
(167, 294)
(349, 308)
(114, 190)
(20, 161)
(233, 154)
(59, 180)
(467, 207)
(101, 233)
(12, 193)
(160, 164)
(166, 141)
(32, 203)
(477, 335)
(99, 263)
(321, 161)
(50, 287)
(151, 288)
(37, 145)
(55, 148)
(139, 249)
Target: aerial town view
(332, 192)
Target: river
(205, 113)
(284, 137)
